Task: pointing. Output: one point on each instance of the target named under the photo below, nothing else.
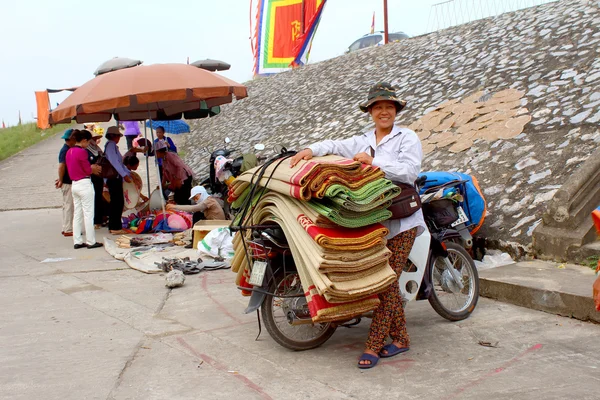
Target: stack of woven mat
(329, 209)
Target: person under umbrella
(94, 154)
(115, 184)
(132, 131)
(64, 184)
(83, 191)
(177, 176)
(160, 135)
(205, 207)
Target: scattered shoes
(67, 234)
(119, 232)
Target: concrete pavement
(84, 326)
(91, 328)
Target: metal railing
(457, 12)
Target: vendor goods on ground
(157, 221)
(330, 209)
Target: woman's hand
(170, 207)
(363, 158)
(305, 154)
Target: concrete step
(562, 289)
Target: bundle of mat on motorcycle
(330, 210)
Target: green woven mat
(346, 218)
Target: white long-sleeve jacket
(399, 156)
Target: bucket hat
(67, 134)
(113, 130)
(380, 92)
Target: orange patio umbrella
(158, 91)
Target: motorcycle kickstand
(259, 325)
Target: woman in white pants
(80, 171)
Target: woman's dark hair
(82, 135)
(131, 160)
(161, 128)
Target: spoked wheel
(448, 298)
(287, 318)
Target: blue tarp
(474, 202)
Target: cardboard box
(202, 227)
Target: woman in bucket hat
(397, 151)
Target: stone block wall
(548, 54)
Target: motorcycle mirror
(259, 147)
(227, 140)
(278, 149)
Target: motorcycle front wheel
(448, 299)
(287, 319)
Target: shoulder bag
(407, 202)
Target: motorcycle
(231, 169)
(440, 271)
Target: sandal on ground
(95, 245)
(119, 232)
(80, 246)
(97, 226)
(370, 358)
(67, 234)
(392, 350)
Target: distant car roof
(375, 39)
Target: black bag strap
(396, 183)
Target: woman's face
(160, 133)
(383, 114)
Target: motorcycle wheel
(447, 299)
(277, 312)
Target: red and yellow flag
(282, 33)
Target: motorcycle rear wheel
(294, 337)
(446, 299)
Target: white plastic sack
(217, 243)
(493, 259)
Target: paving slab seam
(23, 254)
(160, 336)
(109, 315)
(29, 208)
(128, 363)
(163, 301)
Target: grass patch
(17, 138)
(591, 262)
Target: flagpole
(385, 23)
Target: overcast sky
(54, 44)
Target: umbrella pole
(147, 162)
(162, 200)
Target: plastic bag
(217, 243)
